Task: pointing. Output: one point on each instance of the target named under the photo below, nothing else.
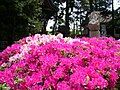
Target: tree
(18, 18)
(75, 14)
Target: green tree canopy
(18, 18)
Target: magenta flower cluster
(48, 62)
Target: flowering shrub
(47, 62)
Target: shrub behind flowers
(48, 62)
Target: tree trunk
(67, 18)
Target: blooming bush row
(48, 62)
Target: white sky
(51, 22)
(116, 4)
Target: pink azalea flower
(51, 62)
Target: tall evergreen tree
(18, 18)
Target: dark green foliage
(18, 18)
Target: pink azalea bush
(48, 62)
